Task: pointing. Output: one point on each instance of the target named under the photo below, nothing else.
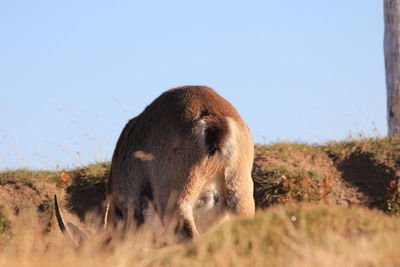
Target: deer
(181, 167)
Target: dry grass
(315, 199)
(290, 235)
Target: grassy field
(336, 204)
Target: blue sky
(73, 72)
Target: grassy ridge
(356, 172)
(336, 172)
(313, 205)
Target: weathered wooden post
(392, 64)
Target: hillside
(332, 204)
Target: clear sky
(73, 72)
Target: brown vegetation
(341, 181)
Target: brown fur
(188, 137)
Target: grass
(319, 173)
(298, 223)
(5, 224)
(385, 150)
(288, 235)
(279, 185)
(26, 176)
(91, 174)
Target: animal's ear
(213, 131)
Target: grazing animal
(183, 165)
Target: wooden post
(392, 64)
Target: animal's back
(167, 121)
(161, 152)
